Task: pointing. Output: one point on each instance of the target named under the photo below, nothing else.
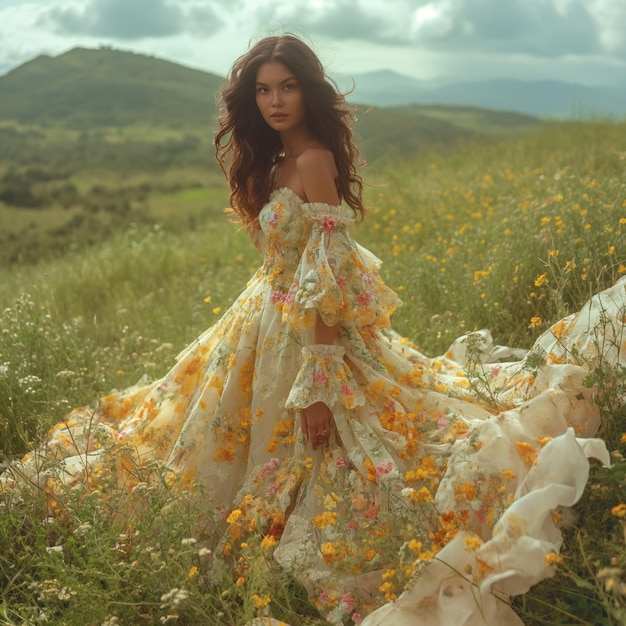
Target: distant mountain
(84, 88)
(540, 98)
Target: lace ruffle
(334, 277)
(324, 377)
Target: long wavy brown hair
(248, 149)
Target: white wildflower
(188, 541)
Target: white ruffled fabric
(465, 586)
(324, 377)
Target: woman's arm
(317, 173)
(255, 234)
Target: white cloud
(131, 21)
(610, 15)
(430, 21)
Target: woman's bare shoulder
(319, 158)
(318, 172)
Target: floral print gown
(476, 474)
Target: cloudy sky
(576, 40)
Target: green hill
(86, 88)
(399, 132)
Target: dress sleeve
(336, 277)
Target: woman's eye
(289, 86)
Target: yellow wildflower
(467, 491)
(415, 546)
(619, 510)
(227, 453)
(261, 602)
(390, 572)
(387, 590)
(473, 542)
(327, 518)
(526, 451)
(417, 496)
(553, 559)
(234, 516)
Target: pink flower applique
(324, 596)
(329, 224)
(345, 390)
(366, 277)
(347, 599)
(274, 219)
(319, 377)
(371, 513)
(278, 296)
(364, 298)
(383, 469)
(273, 490)
(495, 370)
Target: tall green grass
(509, 235)
(467, 235)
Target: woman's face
(279, 97)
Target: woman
(287, 129)
(303, 414)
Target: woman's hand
(317, 421)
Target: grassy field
(510, 234)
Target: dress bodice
(287, 223)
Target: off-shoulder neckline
(296, 197)
(290, 191)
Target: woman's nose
(276, 97)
